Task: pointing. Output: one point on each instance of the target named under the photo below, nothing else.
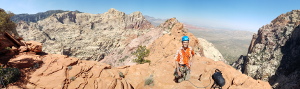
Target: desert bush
(141, 53)
(35, 66)
(69, 67)
(9, 75)
(73, 78)
(121, 75)
(5, 23)
(4, 50)
(149, 81)
(8, 48)
(123, 59)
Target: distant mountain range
(154, 21)
(36, 17)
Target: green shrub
(9, 75)
(141, 53)
(123, 59)
(69, 67)
(72, 78)
(121, 75)
(8, 48)
(149, 81)
(5, 23)
(4, 50)
(35, 66)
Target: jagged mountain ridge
(273, 54)
(36, 17)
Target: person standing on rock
(183, 61)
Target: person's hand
(179, 73)
(189, 67)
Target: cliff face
(274, 54)
(210, 51)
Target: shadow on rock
(287, 74)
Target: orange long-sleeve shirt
(183, 56)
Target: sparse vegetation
(149, 81)
(123, 59)
(121, 75)
(73, 78)
(141, 53)
(69, 67)
(35, 66)
(9, 75)
(8, 48)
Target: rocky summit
(45, 70)
(274, 53)
(51, 62)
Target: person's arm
(193, 53)
(177, 59)
(177, 65)
(191, 59)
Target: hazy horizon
(245, 15)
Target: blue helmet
(185, 38)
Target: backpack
(218, 78)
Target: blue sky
(228, 14)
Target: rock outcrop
(210, 51)
(8, 46)
(240, 63)
(273, 54)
